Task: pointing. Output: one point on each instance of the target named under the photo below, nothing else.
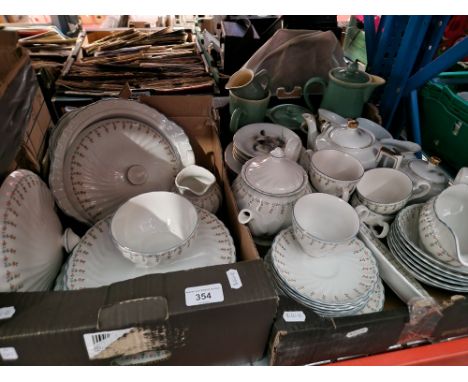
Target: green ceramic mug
(245, 83)
(245, 111)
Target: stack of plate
(96, 261)
(335, 285)
(256, 139)
(403, 241)
(105, 153)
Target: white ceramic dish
(154, 227)
(347, 278)
(324, 224)
(261, 138)
(96, 116)
(266, 190)
(96, 261)
(30, 234)
(198, 185)
(232, 163)
(442, 224)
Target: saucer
(234, 165)
(96, 261)
(343, 279)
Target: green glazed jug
(347, 91)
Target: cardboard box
(149, 315)
(25, 117)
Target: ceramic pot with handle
(351, 139)
(198, 185)
(266, 190)
(347, 90)
(426, 171)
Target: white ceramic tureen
(266, 190)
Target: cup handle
(305, 92)
(245, 216)
(345, 194)
(263, 79)
(70, 240)
(292, 149)
(367, 217)
(420, 189)
(235, 120)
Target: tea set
(307, 209)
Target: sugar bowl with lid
(266, 190)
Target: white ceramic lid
(428, 170)
(135, 133)
(274, 173)
(30, 234)
(352, 137)
(114, 160)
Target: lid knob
(353, 124)
(137, 175)
(434, 160)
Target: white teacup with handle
(334, 172)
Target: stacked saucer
(336, 285)
(320, 263)
(259, 139)
(404, 242)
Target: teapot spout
(376, 81)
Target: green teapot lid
(351, 74)
(288, 115)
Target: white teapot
(266, 190)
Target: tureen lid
(428, 170)
(352, 137)
(351, 74)
(30, 233)
(274, 173)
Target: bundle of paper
(143, 60)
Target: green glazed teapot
(347, 91)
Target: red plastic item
(450, 353)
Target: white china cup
(443, 221)
(335, 172)
(153, 227)
(323, 223)
(386, 191)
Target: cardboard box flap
(132, 312)
(170, 106)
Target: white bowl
(322, 223)
(154, 227)
(442, 224)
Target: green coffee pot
(347, 91)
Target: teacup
(153, 227)
(246, 111)
(334, 172)
(386, 191)
(245, 83)
(442, 225)
(323, 224)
